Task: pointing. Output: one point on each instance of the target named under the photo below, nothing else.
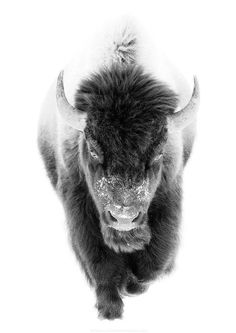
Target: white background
(42, 287)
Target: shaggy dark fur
(127, 111)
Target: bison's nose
(124, 220)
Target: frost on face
(103, 188)
(112, 190)
(143, 191)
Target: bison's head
(123, 113)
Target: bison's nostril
(112, 217)
(137, 217)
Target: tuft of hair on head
(123, 46)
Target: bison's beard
(126, 241)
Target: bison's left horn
(185, 116)
(73, 117)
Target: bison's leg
(109, 274)
(133, 285)
(106, 271)
(144, 267)
(158, 256)
(152, 262)
(109, 302)
(105, 268)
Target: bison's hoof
(133, 286)
(110, 310)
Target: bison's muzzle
(124, 219)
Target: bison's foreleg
(109, 302)
(106, 272)
(109, 274)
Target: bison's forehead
(127, 109)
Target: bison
(116, 160)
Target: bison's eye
(157, 158)
(94, 155)
(95, 151)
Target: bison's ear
(184, 117)
(72, 116)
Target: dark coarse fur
(127, 112)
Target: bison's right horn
(184, 117)
(73, 117)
